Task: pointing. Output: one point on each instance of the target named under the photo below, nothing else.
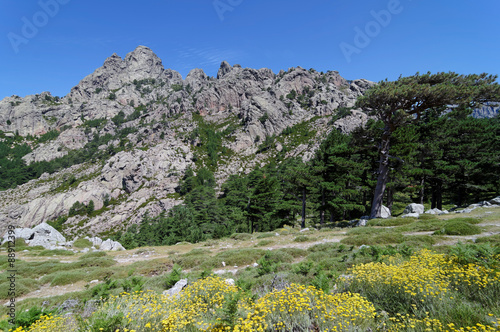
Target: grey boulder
(414, 208)
(434, 211)
(179, 285)
(410, 215)
(110, 245)
(385, 212)
(495, 201)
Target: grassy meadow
(432, 273)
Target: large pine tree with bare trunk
(406, 99)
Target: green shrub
(371, 239)
(302, 238)
(92, 262)
(23, 286)
(239, 257)
(475, 253)
(20, 243)
(27, 318)
(494, 239)
(427, 216)
(323, 247)
(196, 252)
(93, 254)
(390, 222)
(104, 290)
(264, 243)
(303, 267)
(133, 284)
(64, 277)
(173, 277)
(322, 281)
(265, 235)
(425, 225)
(458, 227)
(241, 236)
(103, 322)
(294, 252)
(55, 252)
(468, 220)
(420, 241)
(191, 261)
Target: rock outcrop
(135, 102)
(110, 245)
(42, 235)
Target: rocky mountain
(489, 110)
(146, 120)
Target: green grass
(241, 236)
(239, 257)
(388, 237)
(64, 277)
(264, 243)
(82, 243)
(265, 235)
(425, 225)
(493, 239)
(303, 238)
(93, 254)
(294, 252)
(55, 252)
(23, 286)
(390, 222)
(313, 266)
(458, 227)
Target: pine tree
(339, 176)
(264, 200)
(395, 103)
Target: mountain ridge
(148, 118)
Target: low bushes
(458, 227)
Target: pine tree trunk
(322, 212)
(390, 198)
(303, 223)
(437, 195)
(440, 199)
(383, 172)
(422, 185)
(250, 223)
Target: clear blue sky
(73, 40)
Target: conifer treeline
(439, 159)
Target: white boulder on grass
(385, 212)
(110, 245)
(414, 208)
(96, 241)
(42, 235)
(410, 215)
(179, 285)
(434, 211)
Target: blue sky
(372, 39)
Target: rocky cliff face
(159, 109)
(489, 110)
